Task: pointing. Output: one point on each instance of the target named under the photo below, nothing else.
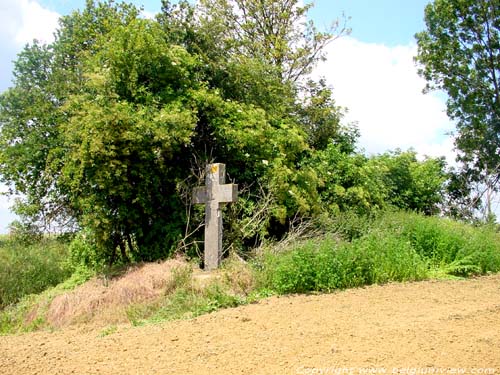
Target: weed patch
(30, 268)
(396, 246)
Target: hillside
(425, 327)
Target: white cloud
(383, 93)
(148, 15)
(21, 21)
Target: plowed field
(433, 327)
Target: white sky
(382, 91)
(378, 84)
(20, 22)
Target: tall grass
(390, 246)
(30, 268)
(457, 248)
(395, 247)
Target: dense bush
(27, 269)
(354, 182)
(114, 141)
(395, 247)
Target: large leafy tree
(459, 52)
(105, 127)
(261, 53)
(229, 38)
(277, 32)
(44, 77)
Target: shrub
(396, 246)
(28, 269)
(292, 271)
(83, 252)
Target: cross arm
(200, 195)
(226, 193)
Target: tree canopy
(459, 52)
(107, 129)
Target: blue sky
(391, 22)
(372, 70)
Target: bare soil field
(432, 327)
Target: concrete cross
(212, 195)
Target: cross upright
(212, 195)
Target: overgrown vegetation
(386, 247)
(30, 268)
(106, 131)
(394, 247)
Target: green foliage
(412, 184)
(480, 255)
(436, 239)
(275, 32)
(123, 135)
(31, 111)
(84, 253)
(446, 243)
(107, 127)
(459, 52)
(30, 269)
(353, 182)
(347, 181)
(183, 299)
(396, 247)
(325, 265)
(321, 119)
(13, 318)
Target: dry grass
(238, 275)
(103, 302)
(164, 290)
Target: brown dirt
(434, 327)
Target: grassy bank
(354, 252)
(394, 247)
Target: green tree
(234, 61)
(108, 126)
(354, 182)
(30, 115)
(412, 184)
(321, 119)
(275, 32)
(348, 182)
(459, 52)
